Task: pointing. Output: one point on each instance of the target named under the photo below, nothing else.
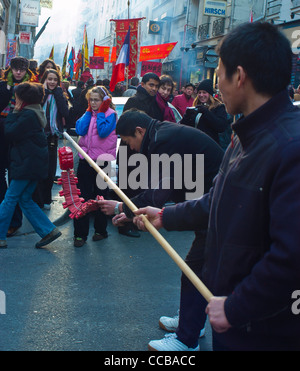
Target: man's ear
(139, 130)
(240, 76)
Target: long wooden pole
(159, 238)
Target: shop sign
(215, 8)
(155, 28)
(30, 11)
(25, 38)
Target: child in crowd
(99, 140)
(24, 130)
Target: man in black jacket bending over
(144, 100)
(180, 149)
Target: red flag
(101, 51)
(151, 52)
(79, 65)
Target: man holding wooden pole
(252, 255)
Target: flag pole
(127, 68)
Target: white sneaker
(170, 324)
(170, 344)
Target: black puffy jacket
(28, 149)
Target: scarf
(50, 109)
(164, 107)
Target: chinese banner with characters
(151, 67)
(151, 52)
(122, 27)
(97, 63)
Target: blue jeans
(17, 216)
(20, 191)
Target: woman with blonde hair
(208, 113)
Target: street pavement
(105, 296)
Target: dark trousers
(87, 177)
(43, 192)
(192, 316)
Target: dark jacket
(212, 122)
(5, 95)
(28, 149)
(62, 108)
(146, 103)
(143, 101)
(252, 253)
(174, 139)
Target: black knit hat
(19, 63)
(206, 85)
(30, 92)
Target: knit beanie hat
(206, 85)
(30, 93)
(19, 63)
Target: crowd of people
(246, 224)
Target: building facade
(196, 31)
(15, 22)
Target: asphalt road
(105, 296)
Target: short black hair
(148, 76)
(30, 92)
(264, 53)
(130, 120)
(190, 84)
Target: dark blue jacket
(253, 243)
(28, 149)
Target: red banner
(97, 63)
(122, 27)
(154, 67)
(102, 51)
(147, 53)
(151, 52)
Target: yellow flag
(64, 66)
(85, 50)
(51, 56)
